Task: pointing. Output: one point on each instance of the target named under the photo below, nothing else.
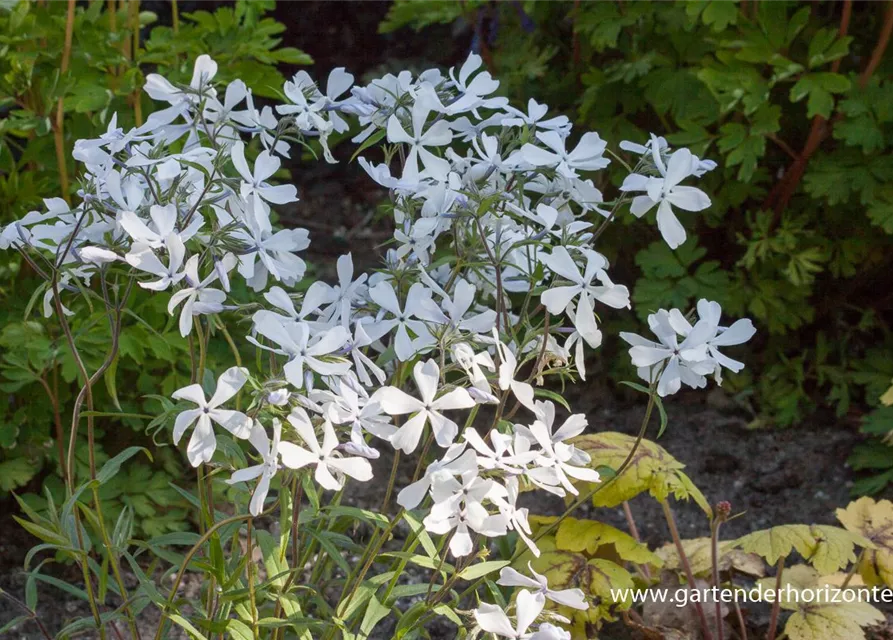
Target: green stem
(202, 348)
(186, 560)
(444, 543)
(175, 17)
(370, 554)
(88, 582)
(249, 568)
(391, 482)
(116, 568)
(297, 493)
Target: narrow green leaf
(183, 622)
(481, 569)
(419, 530)
(375, 613)
(326, 543)
(374, 139)
(110, 384)
(12, 624)
(111, 468)
(238, 630)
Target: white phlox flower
(582, 290)
(254, 183)
(197, 297)
(528, 606)
(429, 408)
(331, 466)
(419, 140)
(266, 470)
(588, 155)
(348, 403)
(306, 352)
(203, 443)
(402, 318)
(142, 257)
(675, 362)
(459, 506)
(456, 460)
(666, 192)
(713, 335)
(574, 598)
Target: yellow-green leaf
(820, 619)
(835, 548)
(599, 538)
(700, 558)
(827, 548)
(778, 542)
(874, 521)
(651, 469)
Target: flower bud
(723, 510)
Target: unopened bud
(723, 510)
(482, 397)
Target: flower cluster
(491, 284)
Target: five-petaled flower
(203, 442)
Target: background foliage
(797, 112)
(62, 77)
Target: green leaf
(185, 624)
(290, 55)
(111, 468)
(238, 630)
(372, 140)
(111, 387)
(15, 473)
(326, 543)
(820, 618)
(873, 520)
(61, 584)
(481, 569)
(829, 548)
(420, 560)
(553, 396)
(880, 212)
(826, 47)
(819, 87)
(275, 565)
(419, 530)
(717, 14)
(355, 513)
(375, 613)
(42, 533)
(12, 624)
(31, 592)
